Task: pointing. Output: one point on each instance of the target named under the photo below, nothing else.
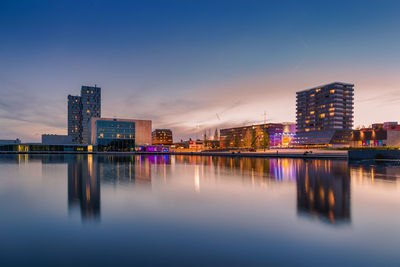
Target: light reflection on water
(164, 202)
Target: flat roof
(116, 119)
(324, 85)
(246, 126)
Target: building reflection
(265, 169)
(323, 190)
(369, 171)
(87, 172)
(84, 186)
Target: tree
(236, 140)
(254, 138)
(247, 139)
(265, 139)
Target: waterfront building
(143, 132)
(378, 135)
(91, 108)
(112, 134)
(288, 134)
(162, 137)
(325, 115)
(38, 147)
(80, 110)
(9, 142)
(75, 118)
(255, 136)
(197, 145)
(56, 139)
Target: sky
(193, 66)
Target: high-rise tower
(91, 107)
(325, 114)
(75, 118)
(80, 110)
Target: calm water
(180, 210)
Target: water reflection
(323, 190)
(322, 186)
(84, 187)
(86, 172)
(277, 170)
(370, 170)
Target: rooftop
(328, 84)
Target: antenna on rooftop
(265, 117)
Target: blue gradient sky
(180, 63)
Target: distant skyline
(193, 65)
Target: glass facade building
(112, 134)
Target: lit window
(332, 91)
(322, 115)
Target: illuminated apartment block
(162, 137)
(91, 108)
(75, 118)
(80, 110)
(325, 115)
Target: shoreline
(214, 154)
